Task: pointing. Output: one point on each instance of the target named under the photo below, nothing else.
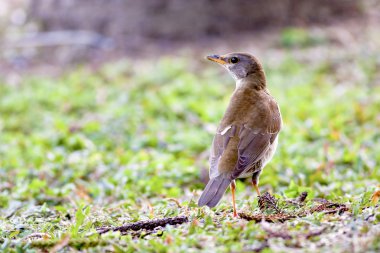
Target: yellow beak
(216, 58)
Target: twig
(147, 225)
(268, 202)
(269, 218)
(299, 200)
(329, 208)
(35, 236)
(302, 197)
(320, 200)
(175, 201)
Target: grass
(128, 142)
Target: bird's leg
(255, 184)
(233, 187)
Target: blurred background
(37, 32)
(109, 104)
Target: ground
(129, 142)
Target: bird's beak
(216, 58)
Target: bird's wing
(253, 144)
(218, 182)
(219, 144)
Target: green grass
(117, 145)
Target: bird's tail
(214, 191)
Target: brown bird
(247, 136)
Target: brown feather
(247, 135)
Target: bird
(247, 136)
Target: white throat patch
(239, 83)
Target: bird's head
(240, 65)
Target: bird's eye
(234, 60)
